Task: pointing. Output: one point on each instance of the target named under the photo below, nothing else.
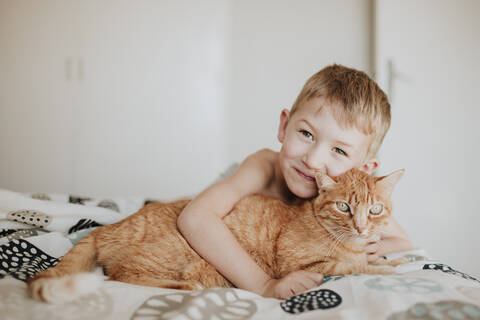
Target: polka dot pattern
(22, 260)
(31, 217)
(21, 234)
(6, 232)
(313, 300)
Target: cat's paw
(380, 269)
(397, 262)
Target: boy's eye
(306, 134)
(339, 151)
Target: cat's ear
(388, 182)
(323, 180)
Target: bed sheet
(36, 230)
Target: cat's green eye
(376, 209)
(342, 206)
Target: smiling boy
(338, 122)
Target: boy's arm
(201, 225)
(393, 239)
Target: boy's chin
(304, 192)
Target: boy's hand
(293, 283)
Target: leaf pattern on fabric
(313, 300)
(22, 260)
(78, 199)
(6, 232)
(449, 270)
(108, 204)
(403, 284)
(441, 310)
(84, 224)
(216, 303)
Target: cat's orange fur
(147, 249)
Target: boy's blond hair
(361, 103)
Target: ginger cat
(326, 235)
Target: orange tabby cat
(326, 235)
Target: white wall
(434, 48)
(276, 47)
(155, 98)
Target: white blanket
(35, 234)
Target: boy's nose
(317, 166)
(322, 168)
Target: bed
(36, 230)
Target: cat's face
(355, 203)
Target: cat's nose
(361, 229)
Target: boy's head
(359, 101)
(338, 122)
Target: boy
(337, 123)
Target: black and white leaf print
(108, 204)
(84, 224)
(22, 260)
(449, 270)
(78, 199)
(313, 300)
(6, 232)
(221, 304)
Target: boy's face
(312, 141)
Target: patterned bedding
(37, 230)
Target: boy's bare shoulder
(267, 153)
(264, 160)
(256, 172)
(266, 156)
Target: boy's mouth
(308, 178)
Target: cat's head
(355, 203)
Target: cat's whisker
(336, 241)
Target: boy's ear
(282, 128)
(370, 166)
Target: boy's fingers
(372, 257)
